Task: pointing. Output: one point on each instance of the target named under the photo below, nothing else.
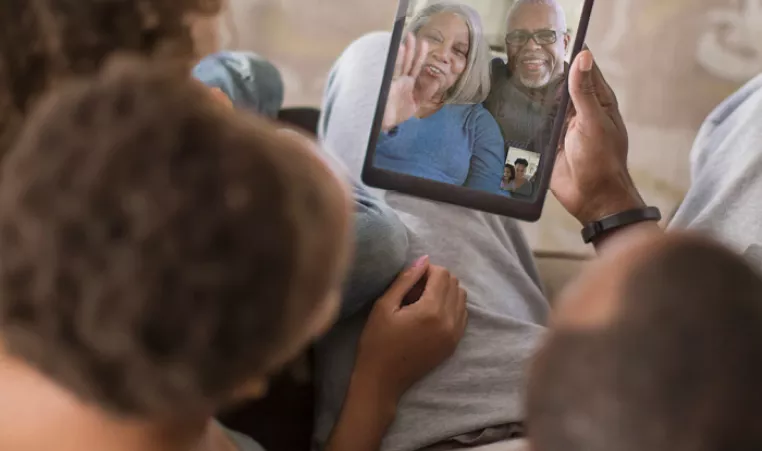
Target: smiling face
(521, 171)
(536, 44)
(447, 35)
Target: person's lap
(722, 201)
(724, 204)
(480, 387)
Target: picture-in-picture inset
(473, 82)
(520, 172)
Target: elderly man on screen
(523, 97)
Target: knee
(381, 249)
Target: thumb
(404, 283)
(582, 86)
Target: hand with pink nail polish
(403, 343)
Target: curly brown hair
(44, 40)
(158, 249)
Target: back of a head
(158, 248)
(42, 41)
(678, 369)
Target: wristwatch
(595, 229)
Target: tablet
(473, 101)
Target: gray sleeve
(725, 197)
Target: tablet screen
(476, 93)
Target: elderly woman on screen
(434, 125)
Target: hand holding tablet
(470, 117)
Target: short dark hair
(678, 369)
(158, 248)
(521, 161)
(43, 41)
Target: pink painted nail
(421, 261)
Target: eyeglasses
(542, 37)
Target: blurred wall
(670, 62)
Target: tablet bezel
(529, 211)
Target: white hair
(474, 83)
(560, 13)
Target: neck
(427, 108)
(36, 414)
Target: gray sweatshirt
(481, 386)
(725, 199)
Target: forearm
(366, 416)
(619, 201)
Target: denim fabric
(250, 81)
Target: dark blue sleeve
(488, 156)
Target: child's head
(162, 254)
(657, 346)
(42, 41)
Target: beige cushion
(557, 270)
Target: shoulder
(470, 113)
(499, 63)
(478, 115)
(481, 124)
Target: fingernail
(421, 261)
(586, 61)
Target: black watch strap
(595, 229)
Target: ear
(567, 41)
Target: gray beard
(538, 83)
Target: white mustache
(533, 56)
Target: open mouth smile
(534, 64)
(433, 70)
